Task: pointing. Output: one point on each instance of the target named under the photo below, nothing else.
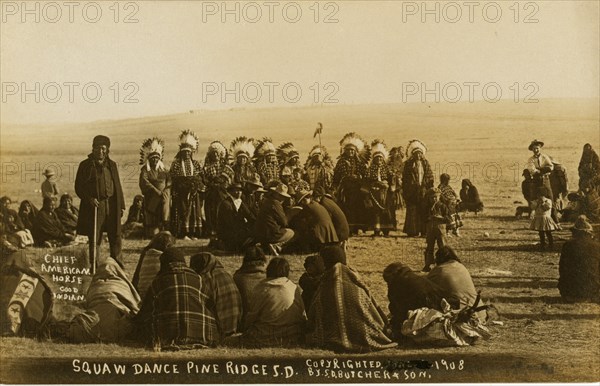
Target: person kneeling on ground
(111, 302)
(148, 265)
(271, 223)
(454, 279)
(579, 265)
(224, 300)
(318, 227)
(469, 198)
(252, 271)
(275, 314)
(344, 316)
(175, 313)
(235, 221)
(407, 291)
(48, 231)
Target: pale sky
(366, 56)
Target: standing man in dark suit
(98, 185)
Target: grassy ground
(542, 339)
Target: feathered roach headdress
(263, 148)
(188, 140)
(242, 145)
(415, 145)
(378, 148)
(354, 140)
(152, 147)
(286, 152)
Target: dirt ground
(542, 339)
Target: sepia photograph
(305, 191)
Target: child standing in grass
(542, 219)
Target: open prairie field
(542, 338)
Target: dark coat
(579, 268)
(86, 188)
(408, 291)
(234, 226)
(271, 220)
(337, 217)
(47, 227)
(320, 226)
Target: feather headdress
(319, 149)
(264, 147)
(415, 145)
(286, 152)
(152, 147)
(378, 148)
(188, 140)
(352, 139)
(242, 145)
(355, 141)
(219, 148)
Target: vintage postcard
(304, 191)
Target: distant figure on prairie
(49, 187)
(540, 166)
(155, 184)
(579, 265)
(187, 189)
(98, 186)
(469, 198)
(417, 178)
(542, 219)
(589, 169)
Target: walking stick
(93, 257)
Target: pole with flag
(318, 132)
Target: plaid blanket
(175, 312)
(146, 270)
(344, 316)
(225, 300)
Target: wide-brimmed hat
(49, 173)
(286, 171)
(281, 189)
(255, 180)
(302, 194)
(582, 225)
(235, 186)
(535, 142)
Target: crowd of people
(254, 198)
(174, 305)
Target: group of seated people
(49, 226)
(303, 223)
(171, 304)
